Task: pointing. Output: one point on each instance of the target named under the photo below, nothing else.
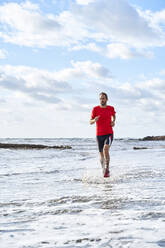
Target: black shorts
(104, 139)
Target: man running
(104, 117)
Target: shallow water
(58, 198)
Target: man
(104, 117)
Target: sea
(54, 198)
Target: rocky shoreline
(38, 146)
(150, 138)
(31, 146)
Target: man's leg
(102, 161)
(107, 145)
(100, 142)
(107, 158)
(106, 155)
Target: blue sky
(56, 56)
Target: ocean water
(59, 198)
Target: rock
(31, 146)
(148, 138)
(139, 148)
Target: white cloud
(119, 50)
(71, 86)
(139, 95)
(150, 105)
(84, 2)
(122, 51)
(118, 21)
(116, 50)
(40, 93)
(90, 46)
(113, 22)
(34, 85)
(42, 29)
(24, 25)
(39, 85)
(162, 72)
(3, 54)
(159, 17)
(83, 70)
(29, 6)
(155, 19)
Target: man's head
(103, 99)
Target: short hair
(105, 94)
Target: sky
(56, 56)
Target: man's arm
(92, 121)
(113, 120)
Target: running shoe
(106, 174)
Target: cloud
(162, 72)
(84, 70)
(32, 84)
(39, 85)
(158, 17)
(41, 30)
(155, 19)
(122, 51)
(3, 54)
(115, 50)
(144, 95)
(118, 21)
(82, 26)
(76, 87)
(84, 2)
(90, 46)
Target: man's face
(103, 100)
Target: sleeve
(93, 114)
(113, 111)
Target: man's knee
(106, 148)
(101, 154)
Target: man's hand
(113, 123)
(96, 118)
(92, 121)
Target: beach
(59, 198)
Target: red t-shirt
(103, 125)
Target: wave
(50, 202)
(16, 230)
(29, 173)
